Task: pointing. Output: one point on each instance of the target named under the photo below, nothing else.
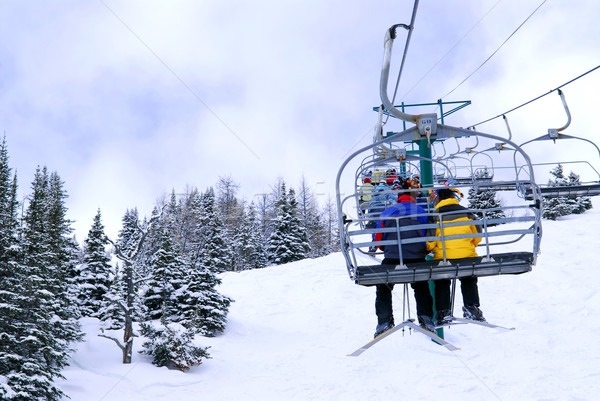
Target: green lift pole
(426, 165)
(427, 182)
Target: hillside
(291, 327)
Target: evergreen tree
(558, 206)
(555, 207)
(202, 307)
(94, 278)
(171, 345)
(50, 249)
(300, 246)
(213, 248)
(579, 204)
(485, 200)
(248, 245)
(112, 312)
(30, 356)
(35, 346)
(165, 281)
(187, 230)
(8, 208)
(288, 241)
(130, 233)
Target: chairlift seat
(497, 185)
(481, 266)
(568, 190)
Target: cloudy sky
(127, 100)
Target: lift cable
(451, 49)
(539, 97)
(496, 51)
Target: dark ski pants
(383, 296)
(423, 298)
(468, 287)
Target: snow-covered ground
(291, 327)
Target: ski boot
(443, 317)
(383, 327)
(472, 312)
(426, 322)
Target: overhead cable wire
(496, 51)
(451, 49)
(539, 97)
(178, 78)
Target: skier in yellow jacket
(448, 210)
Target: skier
(406, 212)
(378, 203)
(366, 190)
(447, 200)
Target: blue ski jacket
(415, 250)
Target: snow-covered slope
(291, 327)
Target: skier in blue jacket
(406, 212)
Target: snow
(291, 327)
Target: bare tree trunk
(128, 260)
(128, 329)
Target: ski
(410, 324)
(460, 320)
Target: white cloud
(126, 100)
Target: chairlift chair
(589, 188)
(509, 245)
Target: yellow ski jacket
(455, 248)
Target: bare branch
(113, 339)
(118, 251)
(152, 221)
(141, 241)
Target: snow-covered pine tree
(300, 246)
(30, 357)
(8, 207)
(130, 233)
(94, 274)
(213, 248)
(170, 336)
(186, 230)
(110, 313)
(46, 308)
(579, 204)
(64, 260)
(202, 307)
(278, 248)
(288, 242)
(248, 244)
(556, 207)
(166, 279)
(171, 345)
(485, 200)
(559, 177)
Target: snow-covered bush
(171, 345)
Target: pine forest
(159, 278)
